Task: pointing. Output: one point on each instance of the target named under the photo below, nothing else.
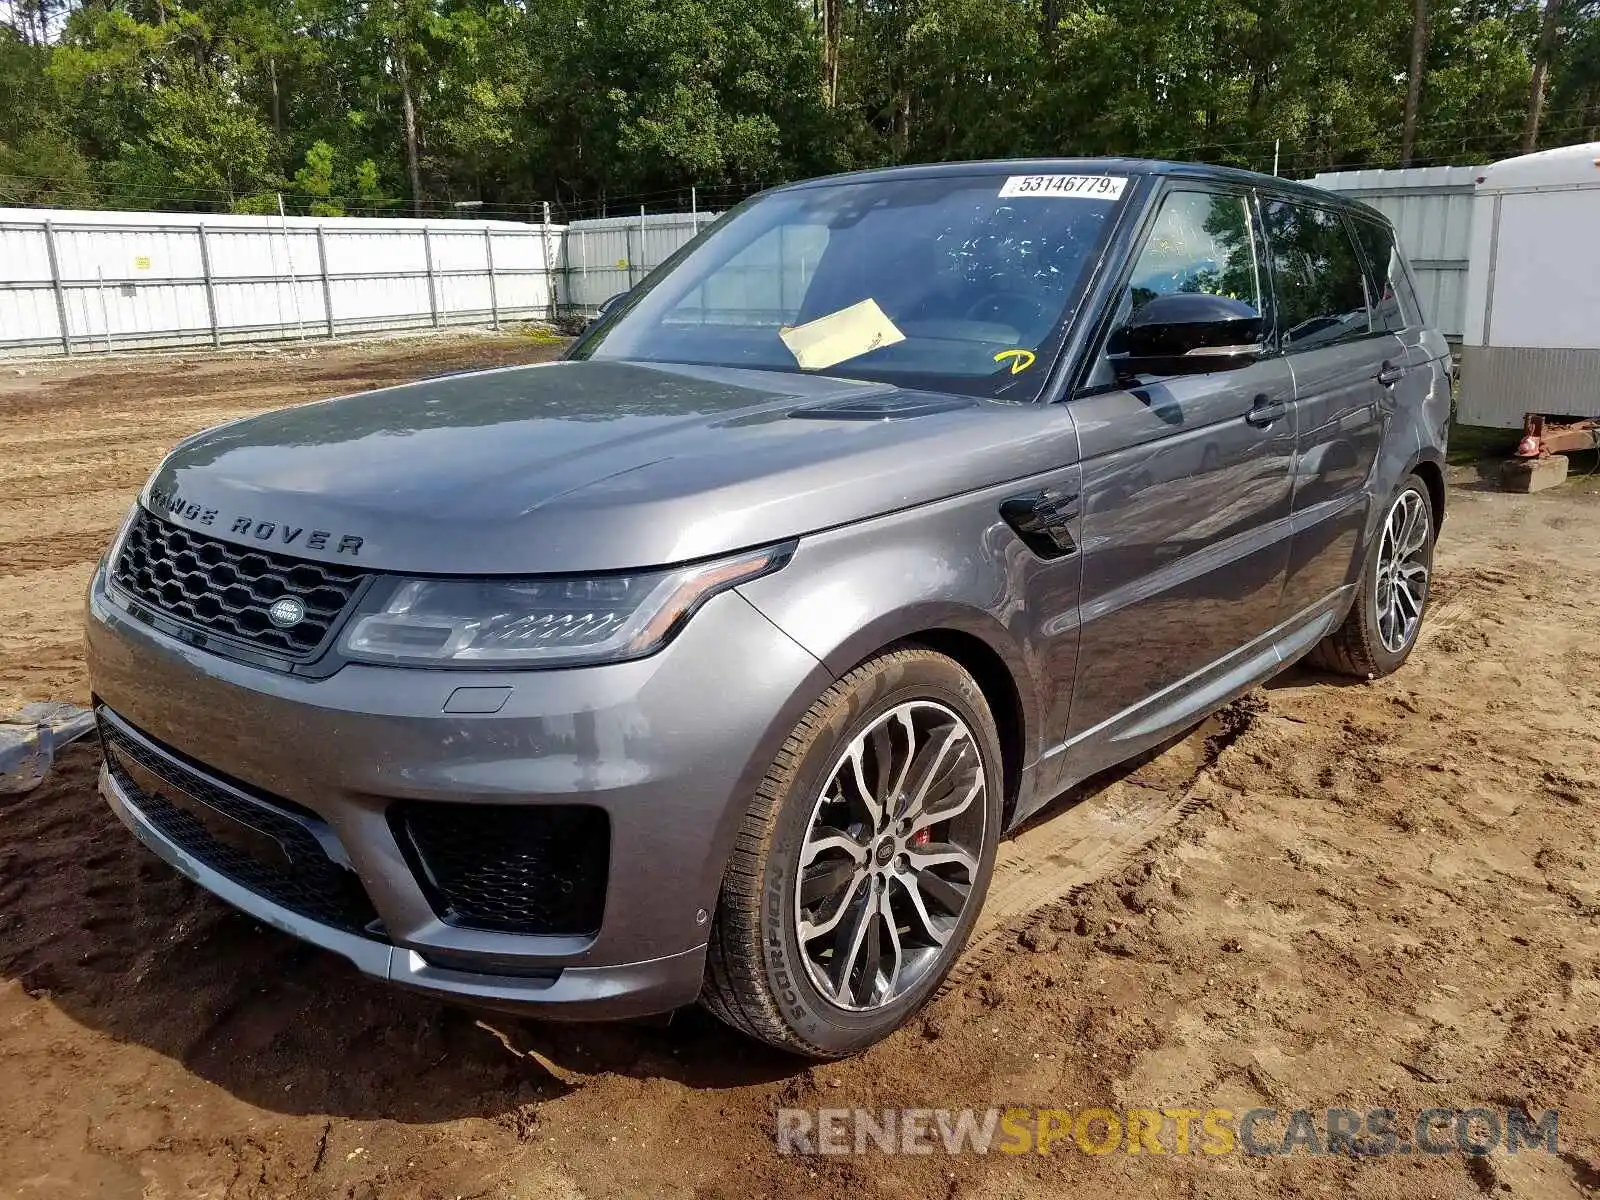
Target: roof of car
(1097, 166)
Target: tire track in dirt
(36, 532)
(1096, 830)
(62, 549)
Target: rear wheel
(1382, 626)
(863, 861)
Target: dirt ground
(1357, 895)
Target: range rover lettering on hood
(277, 533)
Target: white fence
(608, 255)
(1431, 208)
(73, 282)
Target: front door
(1186, 494)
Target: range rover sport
(713, 661)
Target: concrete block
(1533, 474)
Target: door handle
(1391, 374)
(1265, 411)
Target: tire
(761, 978)
(1373, 641)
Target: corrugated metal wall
(1431, 208)
(1500, 383)
(93, 281)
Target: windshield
(952, 283)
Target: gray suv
(713, 661)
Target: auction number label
(1081, 187)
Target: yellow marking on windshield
(1021, 360)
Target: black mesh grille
(226, 590)
(273, 851)
(534, 869)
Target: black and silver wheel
(1405, 558)
(876, 897)
(1378, 634)
(861, 867)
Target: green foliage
(199, 141)
(44, 169)
(228, 103)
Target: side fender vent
(1043, 520)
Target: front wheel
(1382, 626)
(863, 861)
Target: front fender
(951, 567)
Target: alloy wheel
(891, 854)
(1402, 581)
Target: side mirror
(1187, 333)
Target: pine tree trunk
(409, 109)
(277, 104)
(830, 51)
(1419, 54)
(1541, 71)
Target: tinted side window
(1322, 296)
(1386, 276)
(1201, 242)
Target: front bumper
(667, 746)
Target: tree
(408, 105)
(1419, 51)
(200, 142)
(1548, 30)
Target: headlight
(538, 622)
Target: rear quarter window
(1394, 308)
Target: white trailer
(1531, 341)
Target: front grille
(272, 849)
(226, 590)
(512, 868)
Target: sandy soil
(1355, 895)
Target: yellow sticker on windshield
(846, 334)
(1021, 360)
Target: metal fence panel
(25, 255)
(608, 255)
(254, 305)
(522, 282)
(73, 281)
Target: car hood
(584, 466)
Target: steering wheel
(992, 305)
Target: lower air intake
(510, 868)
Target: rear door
(1186, 490)
(1397, 311)
(1332, 334)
